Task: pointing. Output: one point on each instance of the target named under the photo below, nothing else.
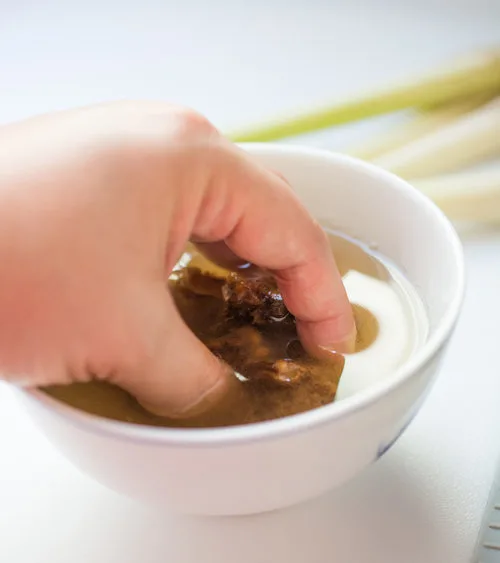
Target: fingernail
(224, 386)
(346, 346)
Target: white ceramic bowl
(262, 467)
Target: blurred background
(234, 60)
(241, 62)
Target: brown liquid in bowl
(279, 378)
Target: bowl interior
(380, 210)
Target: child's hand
(96, 206)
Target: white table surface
(238, 61)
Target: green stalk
(415, 125)
(466, 196)
(464, 141)
(477, 76)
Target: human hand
(96, 206)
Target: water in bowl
(277, 378)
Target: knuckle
(157, 124)
(190, 126)
(147, 133)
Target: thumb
(176, 375)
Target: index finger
(265, 223)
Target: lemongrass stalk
(465, 141)
(473, 77)
(417, 124)
(466, 196)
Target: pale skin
(96, 206)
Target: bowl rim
(303, 421)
